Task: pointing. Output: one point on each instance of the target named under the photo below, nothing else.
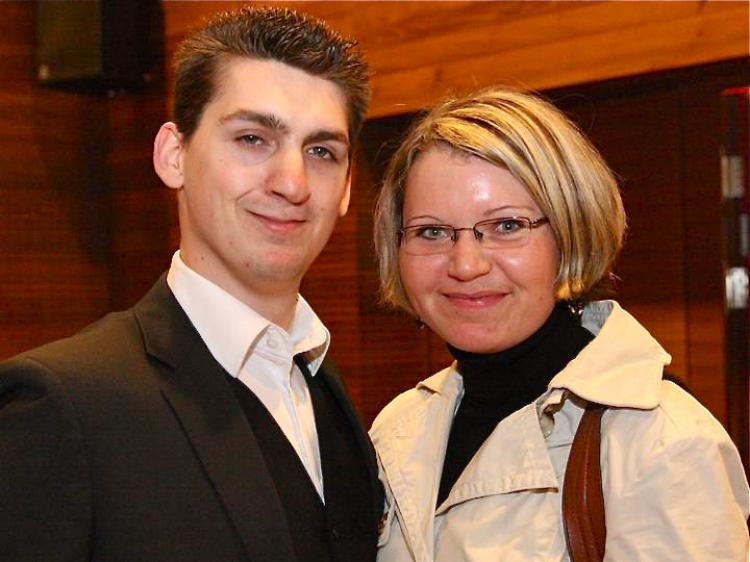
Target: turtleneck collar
(498, 384)
(523, 371)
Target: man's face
(264, 178)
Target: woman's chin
(475, 342)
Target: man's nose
(467, 257)
(290, 177)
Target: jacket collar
(443, 382)
(621, 367)
(199, 395)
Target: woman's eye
(508, 226)
(432, 233)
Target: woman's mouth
(478, 299)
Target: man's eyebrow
(271, 121)
(324, 135)
(267, 120)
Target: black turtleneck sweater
(498, 384)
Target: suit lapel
(212, 419)
(363, 441)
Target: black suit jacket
(126, 443)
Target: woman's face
(476, 299)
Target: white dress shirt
(260, 354)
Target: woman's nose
(467, 258)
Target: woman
(498, 221)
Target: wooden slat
(712, 34)
(471, 30)
(54, 199)
(421, 50)
(700, 164)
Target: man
(200, 425)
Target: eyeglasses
(493, 234)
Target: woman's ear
(168, 149)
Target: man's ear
(168, 155)
(344, 205)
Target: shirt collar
(230, 329)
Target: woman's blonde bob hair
(534, 141)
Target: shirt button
(272, 343)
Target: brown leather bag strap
(583, 502)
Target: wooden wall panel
(671, 269)
(86, 225)
(419, 50)
(572, 43)
(395, 353)
(54, 207)
(144, 213)
(704, 282)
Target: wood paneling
(86, 225)
(144, 227)
(420, 50)
(54, 208)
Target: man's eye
(432, 233)
(323, 152)
(254, 140)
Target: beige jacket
(674, 486)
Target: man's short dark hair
(278, 34)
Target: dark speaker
(97, 44)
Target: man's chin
(282, 267)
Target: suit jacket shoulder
(126, 444)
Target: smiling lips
(276, 224)
(478, 300)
